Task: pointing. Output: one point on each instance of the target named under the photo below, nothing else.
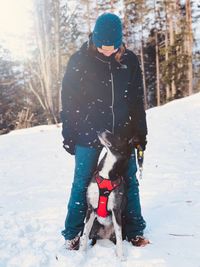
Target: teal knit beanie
(107, 31)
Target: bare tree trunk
(37, 96)
(157, 59)
(88, 16)
(190, 45)
(171, 38)
(24, 118)
(157, 71)
(125, 23)
(143, 73)
(44, 42)
(57, 52)
(48, 62)
(112, 6)
(141, 22)
(44, 66)
(167, 48)
(97, 8)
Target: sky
(15, 24)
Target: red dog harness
(106, 186)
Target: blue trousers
(86, 160)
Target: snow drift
(35, 180)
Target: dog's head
(118, 146)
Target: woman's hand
(69, 146)
(140, 141)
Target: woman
(102, 89)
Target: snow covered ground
(35, 181)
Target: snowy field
(35, 180)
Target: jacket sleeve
(136, 100)
(70, 98)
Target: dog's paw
(120, 254)
(122, 258)
(83, 244)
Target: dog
(106, 196)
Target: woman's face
(105, 52)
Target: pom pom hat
(107, 33)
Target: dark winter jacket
(100, 93)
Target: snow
(36, 175)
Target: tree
(136, 22)
(13, 96)
(55, 32)
(189, 38)
(161, 33)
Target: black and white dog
(106, 194)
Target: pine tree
(13, 96)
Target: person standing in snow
(102, 89)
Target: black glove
(140, 141)
(69, 146)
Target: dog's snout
(100, 132)
(103, 134)
(104, 137)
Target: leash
(140, 159)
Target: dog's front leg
(88, 225)
(117, 223)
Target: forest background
(34, 51)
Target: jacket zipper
(113, 93)
(113, 98)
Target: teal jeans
(86, 160)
